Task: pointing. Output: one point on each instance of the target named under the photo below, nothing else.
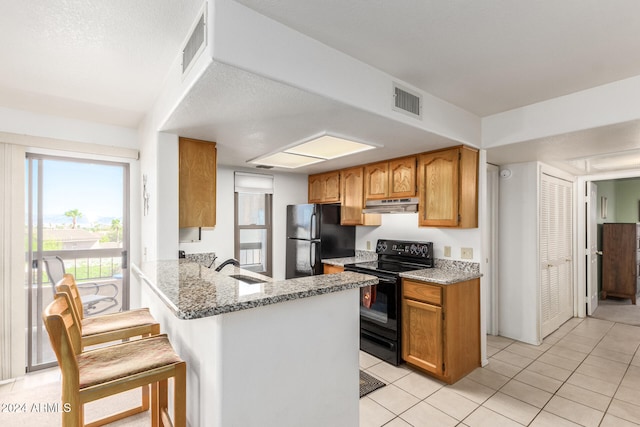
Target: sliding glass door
(77, 214)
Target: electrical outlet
(368, 245)
(447, 251)
(466, 253)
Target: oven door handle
(384, 280)
(381, 279)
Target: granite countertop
(193, 291)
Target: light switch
(447, 251)
(466, 253)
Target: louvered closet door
(556, 259)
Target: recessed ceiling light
(308, 152)
(286, 160)
(329, 147)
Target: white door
(592, 248)
(556, 261)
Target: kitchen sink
(247, 279)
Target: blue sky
(94, 189)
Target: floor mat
(369, 384)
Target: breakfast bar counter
(260, 352)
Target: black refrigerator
(314, 233)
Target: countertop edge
(136, 270)
(305, 290)
(440, 276)
(246, 305)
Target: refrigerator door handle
(313, 225)
(312, 255)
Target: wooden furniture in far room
(441, 327)
(95, 374)
(393, 179)
(330, 269)
(620, 260)
(197, 183)
(448, 188)
(352, 201)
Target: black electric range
(380, 313)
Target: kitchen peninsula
(260, 352)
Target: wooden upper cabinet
(448, 188)
(391, 180)
(402, 177)
(377, 181)
(352, 199)
(197, 183)
(324, 187)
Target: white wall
(289, 189)
(518, 254)
(405, 227)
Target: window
(253, 201)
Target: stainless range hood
(409, 205)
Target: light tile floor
(587, 373)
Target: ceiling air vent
(195, 44)
(406, 102)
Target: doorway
(77, 210)
(616, 201)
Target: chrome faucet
(229, 261)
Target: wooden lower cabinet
(441, 327)
(330, 269)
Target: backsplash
(455, 265)
(205, 258)
(445, 264)
(364, 256)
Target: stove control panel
(405, 248)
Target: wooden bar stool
(107, 327)
(94, 374)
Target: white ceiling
(94, 60)
(485, 56)
(105, 61)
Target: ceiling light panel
(328, 147)
(286, 160)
